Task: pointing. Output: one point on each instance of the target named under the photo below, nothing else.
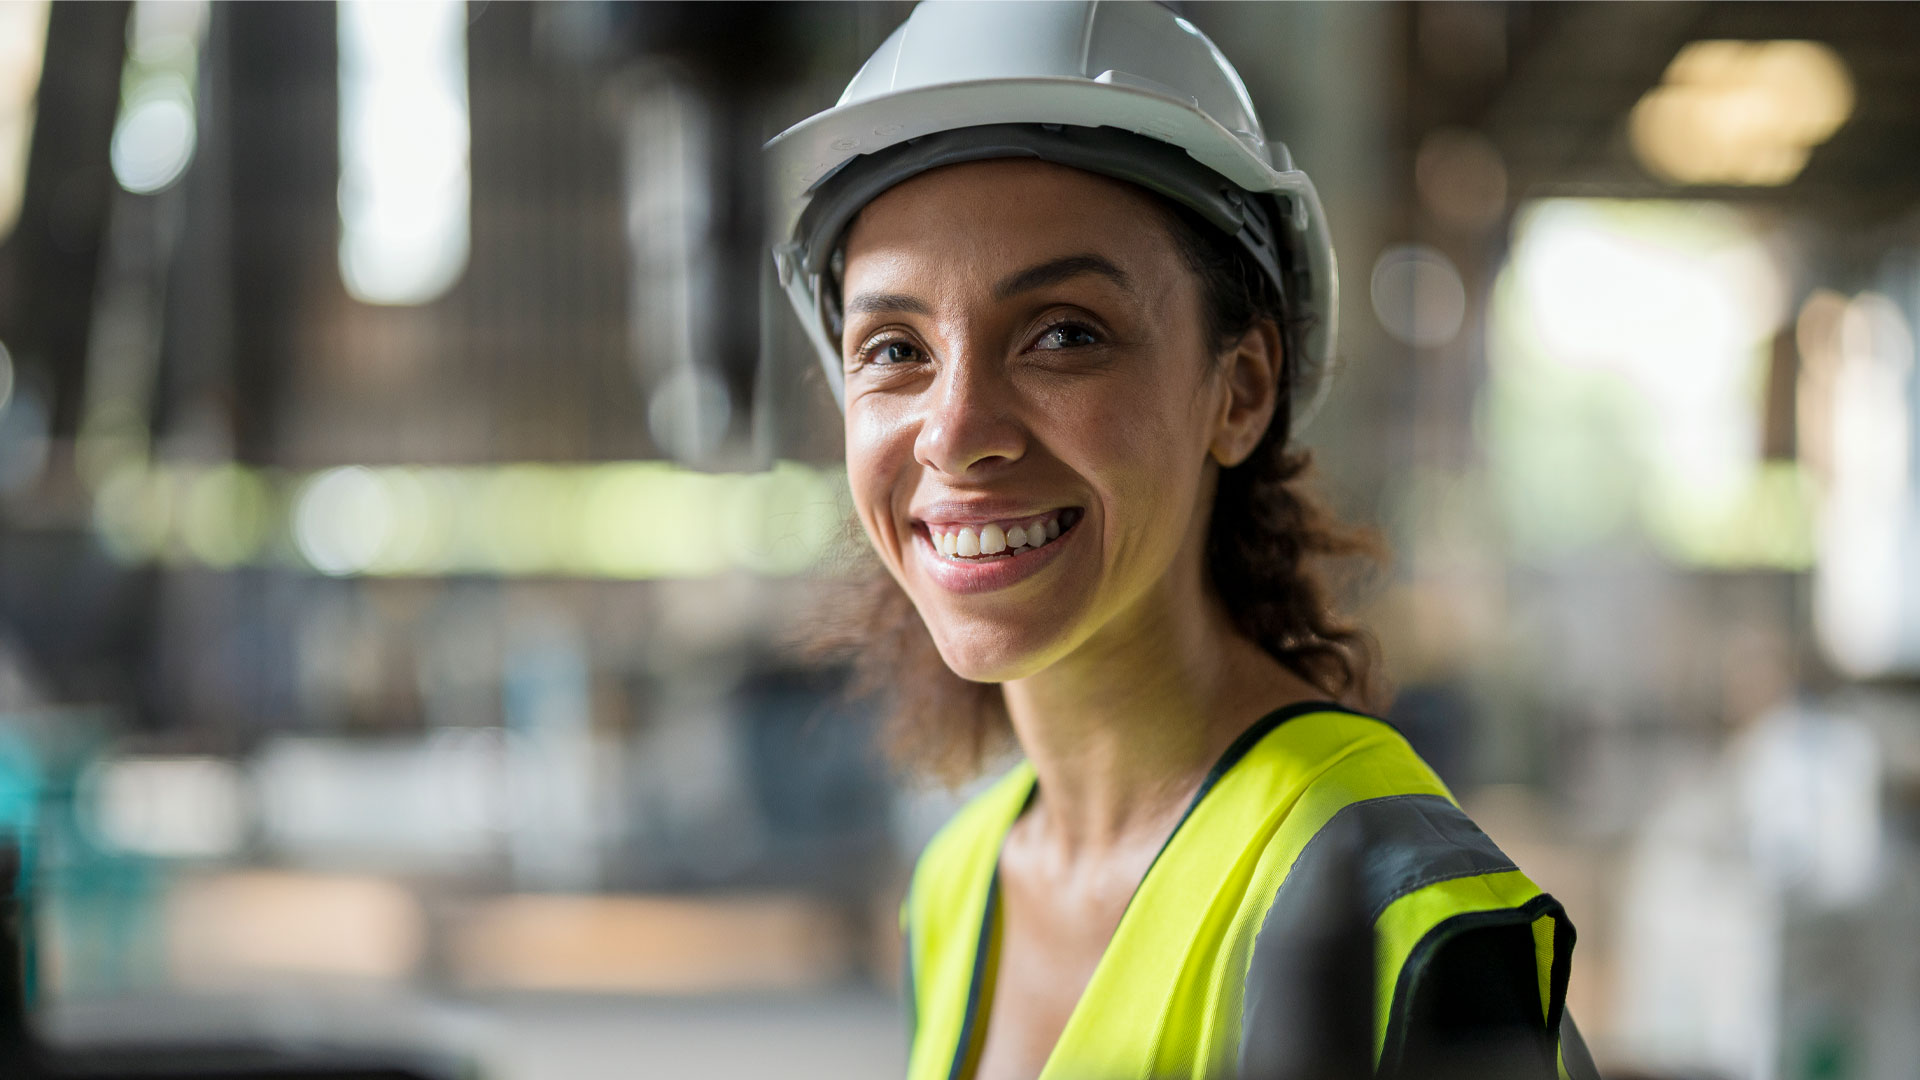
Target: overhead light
(405, 181)
(157, 130)
(1744, 113)
(23, 46)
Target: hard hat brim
(807, 152)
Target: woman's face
(1030, 407)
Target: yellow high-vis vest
(1169, 995)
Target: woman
(1073, 303)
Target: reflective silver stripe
(909, 989)
(1573, 1051)
(1411, 842)
(1406, 842)
(1369, 854)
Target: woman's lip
(958, 517)
(986, 575)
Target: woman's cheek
(1138, 470)
(872, 476)
(870, 500)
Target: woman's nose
(969, 425)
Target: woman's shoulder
(1331, 752)
(1347, 796)
(1474, 953)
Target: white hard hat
(1126, 88)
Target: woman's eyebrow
(887, 304)
(1058, 270)
(1033, 277)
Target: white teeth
(993, 538)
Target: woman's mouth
(972, 557)
(978, 542)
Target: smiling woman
(1265, 532)
(1078, 377)
(1073, 315)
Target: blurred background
(409, 480)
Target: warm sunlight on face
(1029, 408)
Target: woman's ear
(1252, 372)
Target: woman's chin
(993, 654)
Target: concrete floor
(847, 1034)
(844, 1037)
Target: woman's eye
(1067, 336)
(887, 353)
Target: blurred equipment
(1769, 902)
(24, 1056)
(702, 77)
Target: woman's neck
(1122, 731)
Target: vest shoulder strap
(942, 917)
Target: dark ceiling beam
(1560, 116)
(53, 257)
(280, 63)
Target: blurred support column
(16, 1041)
(75, 617)
(1326, 79)
(281, 141)
(193, 401)
(55, 252)
(697, 215)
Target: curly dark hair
(1271, 550)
